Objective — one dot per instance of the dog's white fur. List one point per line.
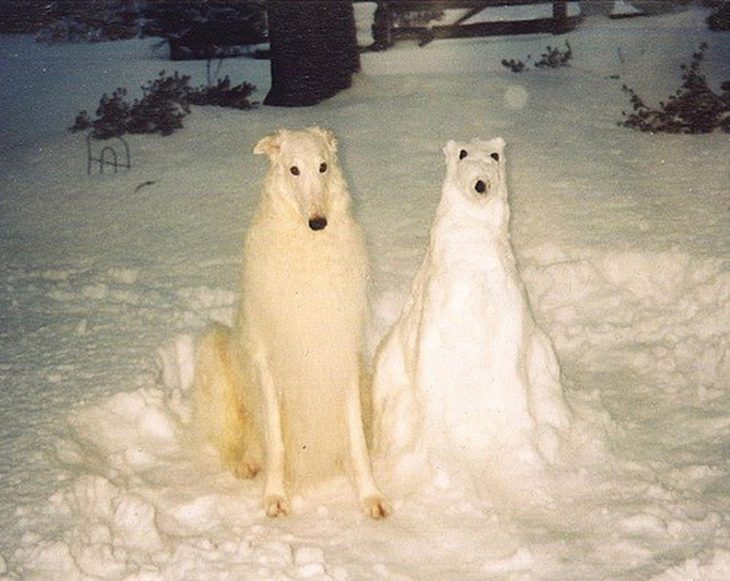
(281, 390)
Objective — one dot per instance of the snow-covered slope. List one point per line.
(621, 239)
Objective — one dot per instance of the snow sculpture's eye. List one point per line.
(480, 187)
(463, 153)
(294, 170)
(322, 167)
(495, 156)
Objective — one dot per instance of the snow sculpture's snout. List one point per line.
(482, 186)
(476, 181)
(303, 171)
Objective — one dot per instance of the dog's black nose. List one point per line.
(318, 223)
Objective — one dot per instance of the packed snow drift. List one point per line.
(620, 239)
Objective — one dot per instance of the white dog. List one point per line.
(281, 390)
(465, 371)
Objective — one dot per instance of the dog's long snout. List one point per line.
(318, 223)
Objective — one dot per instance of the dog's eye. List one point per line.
(294, 170)
(463, 153)
(322, 167)
(480, 187)
(495, 156)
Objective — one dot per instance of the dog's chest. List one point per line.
(321, 272)
(311, 282)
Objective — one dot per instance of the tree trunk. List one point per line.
(313, 50)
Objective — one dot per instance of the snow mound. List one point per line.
(176, 362)
(141, 499)
(622, 9)
(137, 498)
(603, 306)
(694, 570)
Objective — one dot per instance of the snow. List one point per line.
(623, 9)
(620, 238)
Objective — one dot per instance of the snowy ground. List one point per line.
(623, 243)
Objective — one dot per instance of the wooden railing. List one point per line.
(387, 30)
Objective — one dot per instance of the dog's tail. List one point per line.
(220, 415)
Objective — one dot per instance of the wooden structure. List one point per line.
(387, 30)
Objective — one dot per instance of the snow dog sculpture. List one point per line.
(281, 389)
(465, 372)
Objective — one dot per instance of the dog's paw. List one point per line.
(276, 505)
(377, 507)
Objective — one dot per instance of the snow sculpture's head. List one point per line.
(304, 175)
(475, 180)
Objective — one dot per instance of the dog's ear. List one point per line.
(269, 145)
(328, 136)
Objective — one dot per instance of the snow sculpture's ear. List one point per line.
(496, 146)
(269, 145)
(328, 136)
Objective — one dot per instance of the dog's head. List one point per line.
(304, 173)
(475, 179)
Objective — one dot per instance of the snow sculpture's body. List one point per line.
(465, 372)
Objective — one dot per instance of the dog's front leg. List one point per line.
(276, 502)
(371, 499)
